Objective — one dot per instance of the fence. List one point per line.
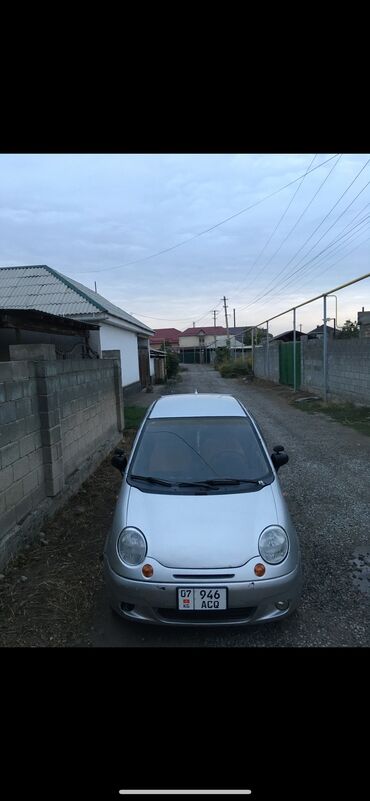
(324, 353)
(348, 367)
(58, 420)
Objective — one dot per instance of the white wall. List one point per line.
(113, 338)
(193, 342)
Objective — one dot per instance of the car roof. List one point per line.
(194, 405)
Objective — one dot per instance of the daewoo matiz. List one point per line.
(201, 532)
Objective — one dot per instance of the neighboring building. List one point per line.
(237, 331)
(42, 288)
(157, 365)
(363, 320)
(318, 332)
(71, 338)
(193, 343)
(236, 345)
(287, 336)
(166, 336)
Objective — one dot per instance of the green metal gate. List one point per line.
(193, 356)
(286, 374)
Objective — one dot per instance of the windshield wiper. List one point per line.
(152, 480)
(200, 484)
(220, 482)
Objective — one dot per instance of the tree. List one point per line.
(349, 329)
(259, 335)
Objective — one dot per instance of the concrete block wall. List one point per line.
(58, 420)
(87, 409)
(312, 376)
(348, 368)
(266, 365)
(22, 486)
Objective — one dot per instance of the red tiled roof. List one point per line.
(165, 334)
(208, 330)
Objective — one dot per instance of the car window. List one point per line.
(199, 449)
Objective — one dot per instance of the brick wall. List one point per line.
(58, 420)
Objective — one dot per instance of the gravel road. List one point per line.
(327, 485)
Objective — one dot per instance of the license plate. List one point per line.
(202, 598)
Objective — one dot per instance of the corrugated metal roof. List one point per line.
(40, 287)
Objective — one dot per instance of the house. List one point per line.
(237, 331)
(363, 320)
(166, 336)
(194, 341)
(236, 345)
(318, 332)
(43, 288)
(287, 336)
(157, 365)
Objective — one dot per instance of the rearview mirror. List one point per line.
(278, 458)
(119, 460)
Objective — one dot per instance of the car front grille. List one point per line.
(204, 576)
(211, 616)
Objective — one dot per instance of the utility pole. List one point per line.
(234, 335)
(227, 323)
(215, 312)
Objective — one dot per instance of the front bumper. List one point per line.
(249, 602)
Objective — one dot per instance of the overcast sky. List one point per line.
(89, 216)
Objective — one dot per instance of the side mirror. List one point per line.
(279, 458)
(119, 460)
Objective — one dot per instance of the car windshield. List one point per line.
(199, 449)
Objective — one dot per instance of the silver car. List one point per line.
(201, 533)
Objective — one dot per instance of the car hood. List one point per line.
(202, 531)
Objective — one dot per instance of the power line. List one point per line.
(276, 226)
(274, 285)
(332, 209)
(297, 221)
(288, 279)
(212, 227)
(181, 319)
(362, 223)
(343, 256)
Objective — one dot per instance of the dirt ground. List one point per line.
(47, 592)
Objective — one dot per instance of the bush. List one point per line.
(172, 364)
(222, 356)
(236, 368)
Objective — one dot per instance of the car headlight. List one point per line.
(273, 545)
(131, 546)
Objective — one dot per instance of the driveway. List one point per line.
(327, 484)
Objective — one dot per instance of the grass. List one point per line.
(134, 416)
(357, 417)
(233, 368)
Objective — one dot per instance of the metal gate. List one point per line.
(286, 364)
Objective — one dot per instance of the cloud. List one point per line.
(89, 215)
